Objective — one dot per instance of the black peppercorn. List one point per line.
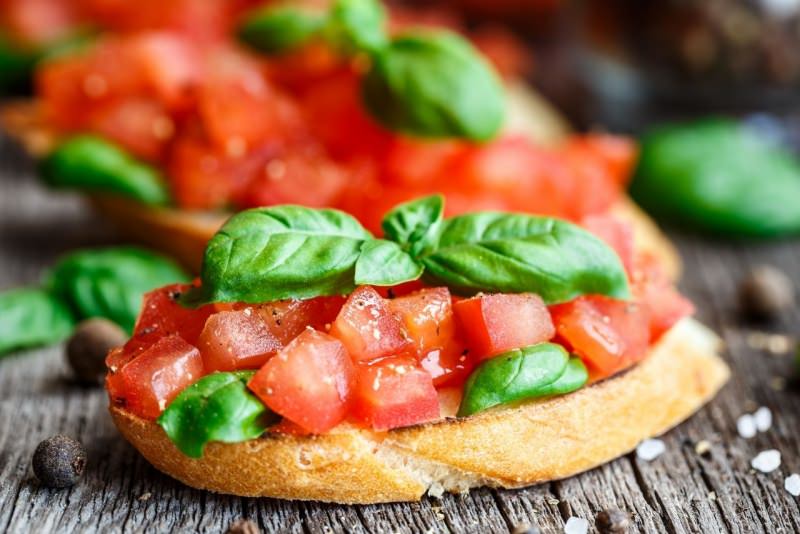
(766, 292)
(526, 529)
(612, 521)
(59, 461)
(243, 526)
(88, 346)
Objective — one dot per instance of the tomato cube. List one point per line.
(494, 324)
(235, 340)
(308, 382)
(657, 293)
(428, 318)
(609, 335)
(449, 366)
(393, 393)
(287, 319)
(368, 328)
(616, 233)
(158, 374)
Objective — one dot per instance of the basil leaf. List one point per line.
(356, 26)
(515, 253)
(720, 177)
(415, 224)
(516, 375)
(94, 164)
(434, 85)
(110, 282)
(32, 317)
(384, 263)
(279, 252)
(218, 407)
(279, 29)
(16, 65)
(575, 376)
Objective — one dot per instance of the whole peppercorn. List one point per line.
(59, 461)
(766, 292)
(88, 346)
(244, 526)
(612, 521)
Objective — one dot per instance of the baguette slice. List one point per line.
(505, 447)
(183, 234)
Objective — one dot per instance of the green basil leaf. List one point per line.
(515, 253)
(721, 177)
(415, 224)
(279, 29)
(16, 65)
(356, 26)
(434, 85)
(384, 263)
(110, 282)
(32, 317)
(94, 164)
(279, 252)
(218, 407)
(513, 376)
(575, 376)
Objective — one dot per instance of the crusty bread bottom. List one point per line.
(507, 447)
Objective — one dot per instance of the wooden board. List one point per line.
(122, 493)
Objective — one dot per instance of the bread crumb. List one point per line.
(145, 496)
(702, 447)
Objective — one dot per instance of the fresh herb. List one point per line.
(218, 407)
(520, 374)
(385, 263)
(94, 164)
(110, 282)
(414, 225)
(32, 317)
(422, 83)
(719, 176)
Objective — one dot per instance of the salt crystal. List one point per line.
(763, 419)
(792, 484)
(650, 449)
(576, 525)
(767, 461)
(746, 426)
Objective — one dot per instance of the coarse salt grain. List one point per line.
(792, 484)
(650, 449)
(767, 461)
(746, 426)
(763, 419)
(576, 525)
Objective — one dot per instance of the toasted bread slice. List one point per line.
(505, 447)
(183, 234)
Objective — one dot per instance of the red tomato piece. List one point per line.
(368, 328)
(235, 340)
(428, 318)
(38, 21)
(413, 162)
(158, 374)
(309, 382)
(140, 125)
(171, 64)
(450, 366)
(287, 319)
(616, 233)
(394, 393)
(609, 335)
(617, 154)
(657, 293)
(497, 323)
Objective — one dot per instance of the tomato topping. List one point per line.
(428, 318)
(368, 328)
(287, 319)
(609, 335)
(616, 233)
(235, 340)
(140, 125)
(449, 366)
(394, 392)
(497, 323)
(158, 374)
(657, 293)
(308, 382)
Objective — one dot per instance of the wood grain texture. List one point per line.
(122, 493)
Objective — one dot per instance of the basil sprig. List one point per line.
(218, 407)
(280, 252)
(91, 163)
(531, 372)
(422, 83)
(31, 317)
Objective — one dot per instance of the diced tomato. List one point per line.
(427, 316)
(609, 335)
(616, 233)
(287, 319)
(657, 293)
(158, 374)
(504, 50)
(393, 393)
(142, 126)
(290, 429)
(414, 162)
(616, 153)
(38, 22)
(309, 382)
(368, 328)
(236, 340)
(400, 290)
(449, 366)
(497, 323)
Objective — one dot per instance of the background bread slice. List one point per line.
(506, 447)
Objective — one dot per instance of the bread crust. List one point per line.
(506, 447)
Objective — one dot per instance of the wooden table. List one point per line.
(681, 491)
